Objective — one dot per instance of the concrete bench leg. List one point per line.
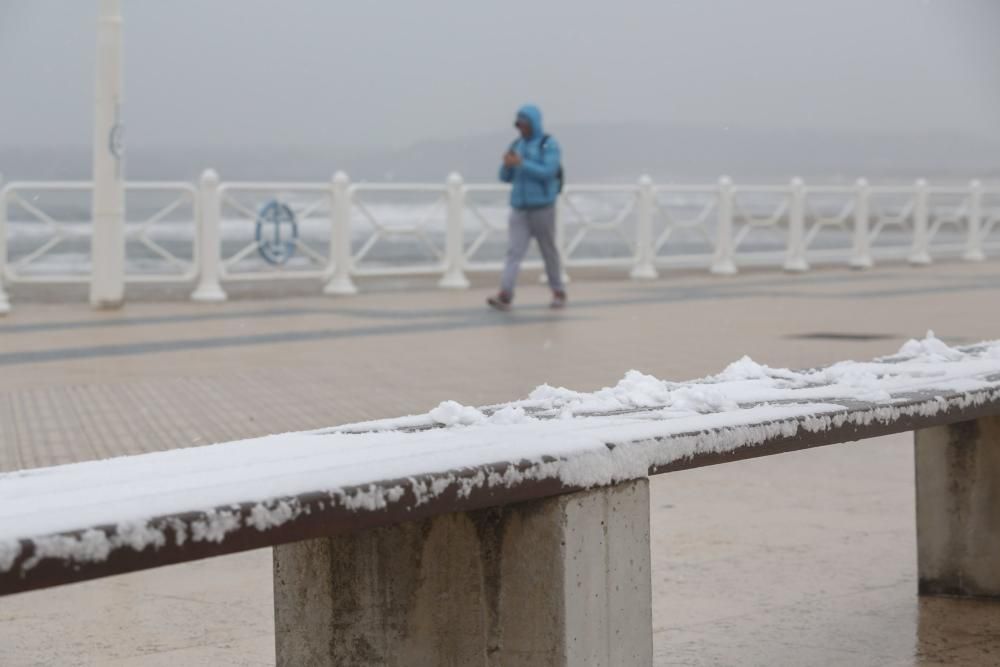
(958, 508)
(561, 581)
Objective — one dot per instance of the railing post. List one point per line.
(723, 263)
(454, 277)
(209, 239)
(340, 237)
(4, 300)
(645, 268)
(974, 241)
(861, 254)
(543, 279)
(795, 259)
(560, 240)
(919, 253)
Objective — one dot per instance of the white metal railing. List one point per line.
(761, 211)
(50, 238)
(41, 231)
(296, 253)
(598, 218)
(264, 231)
(411, 234)
(484, 221)
(670, 215)
(987, 220)
(339, 231)
(154, 230)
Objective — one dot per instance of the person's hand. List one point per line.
(511, 159)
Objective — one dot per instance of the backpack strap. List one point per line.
(560, 176)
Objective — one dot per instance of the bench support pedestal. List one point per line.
(560, 581)
(958, 508)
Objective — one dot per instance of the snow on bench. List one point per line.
(75, 522)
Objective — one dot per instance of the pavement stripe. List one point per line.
(152, 347)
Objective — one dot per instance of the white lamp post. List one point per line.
(107, 282)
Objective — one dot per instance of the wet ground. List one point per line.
(800, 559)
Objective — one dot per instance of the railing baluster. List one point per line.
(795, 260)
(454, 276)
(723, 263)
(340, 237)
(561, 202)
(861, 253)
(210, 250)
(4, 300)
(919, 254)
(645, 268)
(974, 241)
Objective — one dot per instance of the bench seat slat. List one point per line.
(81, 521)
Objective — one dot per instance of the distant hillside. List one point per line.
(592, 153)
(623, 152)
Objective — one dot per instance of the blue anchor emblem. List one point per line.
(276, 245)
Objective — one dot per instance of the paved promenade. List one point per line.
(802, 559)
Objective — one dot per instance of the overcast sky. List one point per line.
(359, 74)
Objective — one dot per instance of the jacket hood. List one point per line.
(534, 116)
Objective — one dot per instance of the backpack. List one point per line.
(559, 174)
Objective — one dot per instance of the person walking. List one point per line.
(533, 166)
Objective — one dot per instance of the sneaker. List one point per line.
(558, 300)
(501, 301)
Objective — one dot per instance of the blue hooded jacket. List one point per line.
(535, 182)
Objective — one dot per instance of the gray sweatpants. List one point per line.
(524, 224)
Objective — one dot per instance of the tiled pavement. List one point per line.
(800, 559)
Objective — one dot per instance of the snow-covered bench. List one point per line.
(515, 534)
